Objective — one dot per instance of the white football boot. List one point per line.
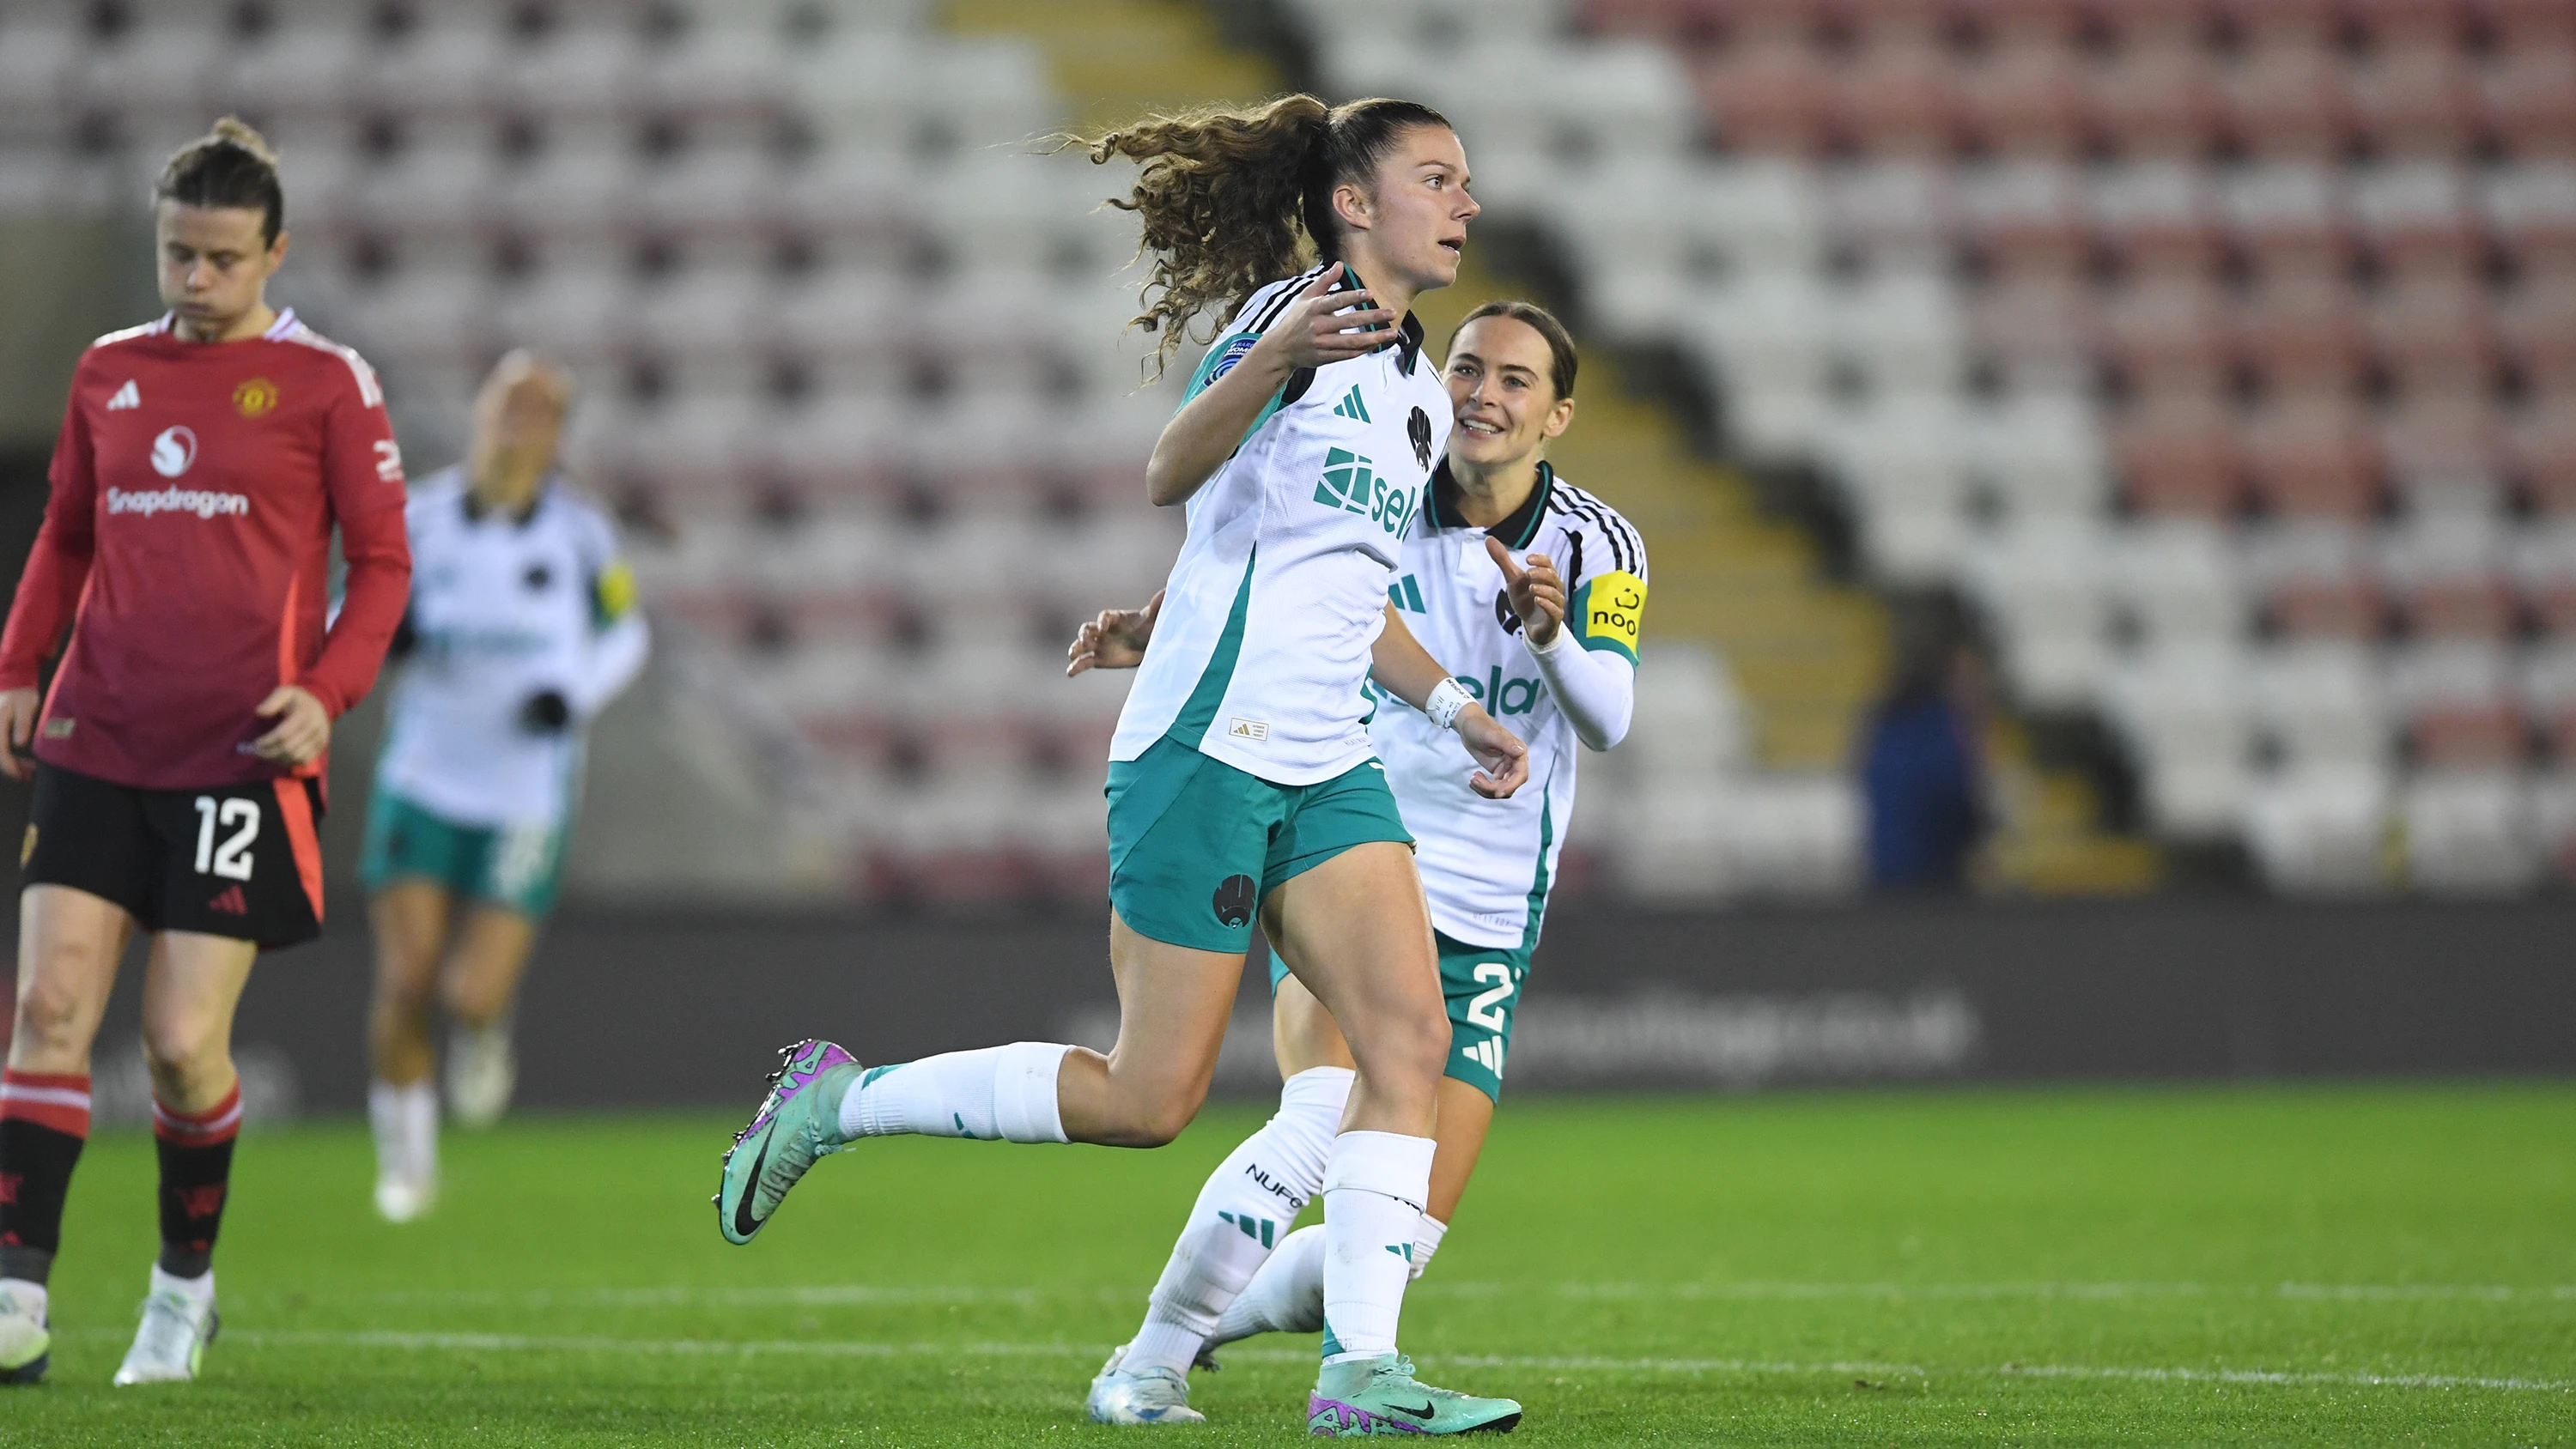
(403, 1198)
(171, 1342)
(482, 1072)
(26, 1347)
(1156, 1396)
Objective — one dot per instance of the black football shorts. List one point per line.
(243, 861)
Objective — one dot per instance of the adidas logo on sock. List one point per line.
(126, 397)
(230, 901)
(1351, 407)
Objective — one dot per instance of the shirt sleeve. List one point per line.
(58, 567)
(619, 638)
(362, 469)
(1596, 685)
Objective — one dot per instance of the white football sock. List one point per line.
(1374, 1189)
(405, 1120)
(1286, 1296)
(998, 1093)
(1240, 1216)
(1426, 1241)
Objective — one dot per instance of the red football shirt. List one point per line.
(187, 542)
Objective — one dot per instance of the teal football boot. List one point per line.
(798, 1124)
(1368, 1396)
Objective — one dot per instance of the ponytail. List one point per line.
(1232, 200)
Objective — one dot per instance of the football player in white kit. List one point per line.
(1242, 778)
(1484, 583)
(522, 627)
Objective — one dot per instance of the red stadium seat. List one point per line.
(2462, 704)
(2026, 100)
(2175, 326)
(2417, 100)
(2442, 445)
(2314, 457)
(2434, 333)
(1897, 99)
(2178, 455)
(2302, 332)
(2159, 101)
(2288, 101)
(2530, 99)
(1769, 97)
(2538, 322)
(2007, 23)
(2519, 23)
(2302, 23)
(2543, 452)
(2391, 25)
(2160, 24)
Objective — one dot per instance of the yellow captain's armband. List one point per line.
(1610, 612)
(612, 597)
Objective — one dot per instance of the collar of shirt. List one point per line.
(1516, 529)
(1408, 333)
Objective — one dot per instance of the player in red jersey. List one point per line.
(179, 754)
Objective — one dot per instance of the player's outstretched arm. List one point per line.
(1210, 426)
(1406, 670)
(1114, 640)
(1596, 690)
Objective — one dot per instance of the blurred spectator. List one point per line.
(1921, 768)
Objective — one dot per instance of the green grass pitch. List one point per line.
(2281, 1266)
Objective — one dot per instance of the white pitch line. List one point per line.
(2268, 1376)
(860, 1348)
(867, 1294)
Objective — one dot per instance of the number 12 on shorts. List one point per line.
(230, 858)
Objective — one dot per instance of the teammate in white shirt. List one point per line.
(522, 627)
(1241, 780)
(1483, 582)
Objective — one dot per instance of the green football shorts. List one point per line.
(517, 867)
(1195, 845)
(1483, 987)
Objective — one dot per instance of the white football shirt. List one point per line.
(1487, 864)
(1261, 652)
(503, 607)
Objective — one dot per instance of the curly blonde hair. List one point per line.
(1233, 199)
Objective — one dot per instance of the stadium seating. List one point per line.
(2240, 422)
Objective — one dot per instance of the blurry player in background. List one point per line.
(522, 627)
(1535, 591)
(179, 758)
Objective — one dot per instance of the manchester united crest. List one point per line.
(254, 397)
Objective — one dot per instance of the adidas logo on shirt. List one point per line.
(127, 396)
(1351, 407)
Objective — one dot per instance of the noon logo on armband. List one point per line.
(1612, 607)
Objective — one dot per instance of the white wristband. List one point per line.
(1448, 700)
(1555, 641)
